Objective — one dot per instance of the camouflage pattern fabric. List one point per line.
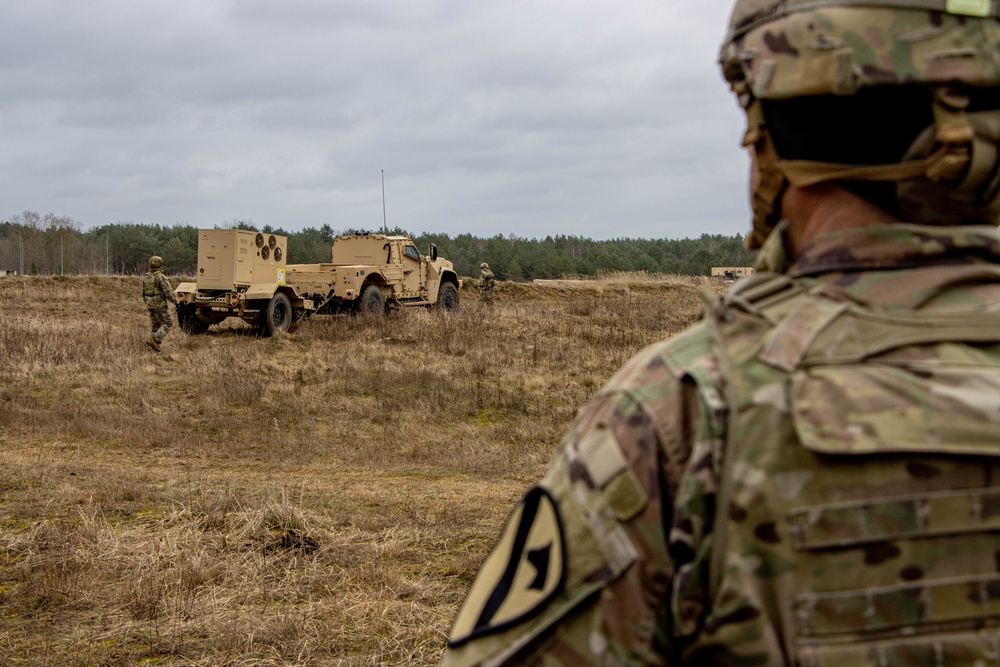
(781, 49)
(156, 290)
(842, 412)
(160, 323)
(487, 286)
(789, 49)
(156, 293)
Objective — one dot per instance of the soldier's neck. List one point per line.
(826, 208)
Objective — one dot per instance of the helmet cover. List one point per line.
(777, 50)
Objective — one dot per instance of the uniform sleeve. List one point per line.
(583, 571)
(165, 288)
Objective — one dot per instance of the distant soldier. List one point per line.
(156, 292)
(487, 284)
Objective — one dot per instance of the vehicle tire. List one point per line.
(372, 301)
(187, 320)
(448, 297)
(277, 315)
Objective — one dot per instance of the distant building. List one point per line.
(8, 272)
(731, 272)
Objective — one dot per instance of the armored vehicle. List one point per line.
(374, 272)
(244, 274)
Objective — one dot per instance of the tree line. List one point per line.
(49, 244)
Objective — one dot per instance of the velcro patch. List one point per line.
(602, 456)
(969, 7)
(523, 573)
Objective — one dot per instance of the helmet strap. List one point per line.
(803, 173)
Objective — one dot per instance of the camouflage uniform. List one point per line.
(487, 285)
(156, 293)
(809, 475)
(834, 397)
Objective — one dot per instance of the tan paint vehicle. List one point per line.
(372, 272)
(244, 274)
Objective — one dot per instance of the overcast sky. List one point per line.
(597, 118)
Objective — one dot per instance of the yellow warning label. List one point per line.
(281, 276)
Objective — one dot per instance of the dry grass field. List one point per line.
(320, 498)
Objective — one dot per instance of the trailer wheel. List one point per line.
(187, 319)
(372, 301)
(277, 315)
(448, 298)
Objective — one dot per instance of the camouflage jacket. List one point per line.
(843, 413)
(156, 290)
(487, 282)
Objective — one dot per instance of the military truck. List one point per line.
(244, 274)
(374, 272)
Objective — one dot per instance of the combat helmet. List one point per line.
(937, 61)
(484, 265)
(155, 262)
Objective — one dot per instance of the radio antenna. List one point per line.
(385, 226)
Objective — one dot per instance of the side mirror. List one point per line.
(433, 252)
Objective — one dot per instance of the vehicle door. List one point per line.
(413, 270)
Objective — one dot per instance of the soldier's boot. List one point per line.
(153, 344)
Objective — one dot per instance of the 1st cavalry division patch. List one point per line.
(521, 575)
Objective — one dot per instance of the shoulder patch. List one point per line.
(523, 573)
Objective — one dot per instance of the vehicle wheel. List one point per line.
(448, 298)
(372, 301)
(187, 319)
(277, 315)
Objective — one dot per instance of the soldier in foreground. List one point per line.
(809, 476)
(156, 292)
(487, 284)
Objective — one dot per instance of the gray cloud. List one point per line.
(547, 117)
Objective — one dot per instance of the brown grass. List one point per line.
(322, 498)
